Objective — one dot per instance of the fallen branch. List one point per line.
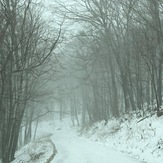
(142, 119)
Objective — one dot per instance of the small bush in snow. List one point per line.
(160, 144)
(36, 156)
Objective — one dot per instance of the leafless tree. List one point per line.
(25, 48)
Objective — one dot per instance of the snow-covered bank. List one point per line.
(143, 140)
(38, 151)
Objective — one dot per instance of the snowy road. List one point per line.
(73, 149)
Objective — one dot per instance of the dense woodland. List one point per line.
(26, 49)
(103, 59)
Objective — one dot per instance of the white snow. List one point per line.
(127, 142)
(143, 140)
(38, 151)
(73, 149)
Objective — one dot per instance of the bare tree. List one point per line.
(25, 48)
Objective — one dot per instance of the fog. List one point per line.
(91, 61)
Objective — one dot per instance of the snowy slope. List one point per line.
(38, 151)
(143, 140)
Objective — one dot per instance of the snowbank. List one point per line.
(142, 140)
(38, 151)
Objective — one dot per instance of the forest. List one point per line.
(93, 60)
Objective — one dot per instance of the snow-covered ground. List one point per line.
(73, 149)
(127, 142)
(142, 140)
(38, 151)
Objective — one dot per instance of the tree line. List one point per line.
(26, 49)
(116, 56)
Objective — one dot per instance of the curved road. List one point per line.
(73, 149)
